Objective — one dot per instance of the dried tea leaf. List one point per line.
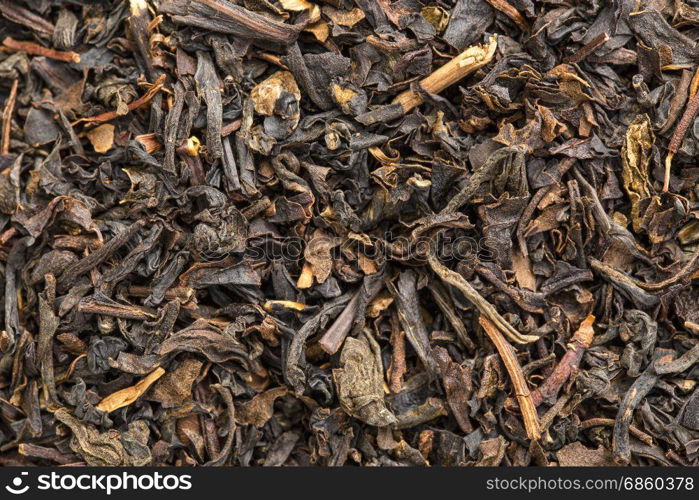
(175, 387)
(209, 89)
(458, 385)
(135, 441)
(296, 5)
(492, 451)
(10, 185)
(96, 448)
(342, 96)
(436, 16)
(40, 128)
(266, 93)
(128, 395)
(636, 157)
(320, 30)
(318, 256)
(578, 455)
(210, 343)
(468, 21)
(102, 137)
(407, 305)
(691, 413)
(379, 304)
(359, 382)
(260, 408)
(343, 17)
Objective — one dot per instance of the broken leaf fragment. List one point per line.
(278, 98)
(175, 387)
(296, 5)
(689, 233)
(260, 408)
(266, 93)
(319, 259)
(285, 305)
(306, 277)
(320, 30)
(436, 16)
(342, 95)
(346, 18)
(379, 304)
(150, 142)
(102, 137)
(351, 100)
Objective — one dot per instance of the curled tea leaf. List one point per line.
(96, 448)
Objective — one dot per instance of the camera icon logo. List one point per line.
(16, 488)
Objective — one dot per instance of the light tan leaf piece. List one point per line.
(128, 395)
(102, 137)
(635, 155)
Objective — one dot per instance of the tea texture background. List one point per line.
(349, 232)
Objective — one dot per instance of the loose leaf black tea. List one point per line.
(349, 232)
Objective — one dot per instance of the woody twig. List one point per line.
(11, 45)
(110, 115)
(687, 119)
(467, 62)
(570, 361)
(524, 397)
(7, 119)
